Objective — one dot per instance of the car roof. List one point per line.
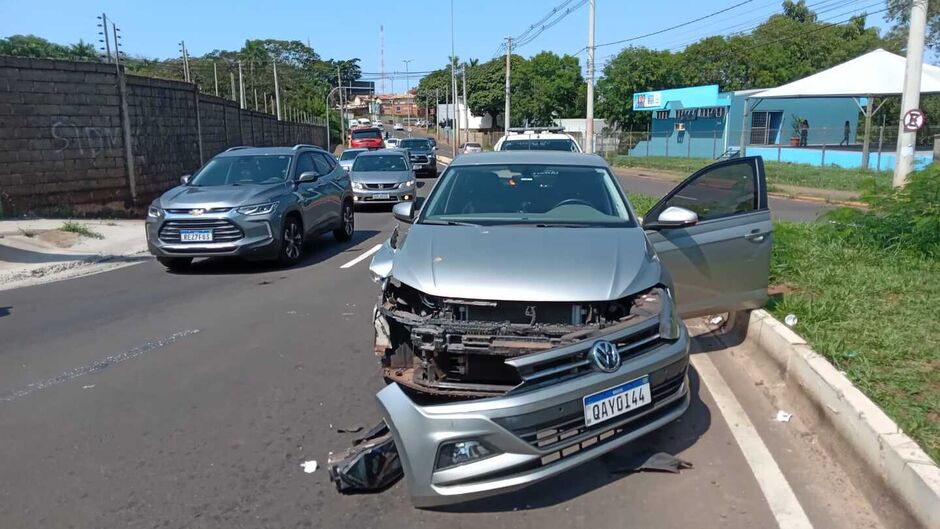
(529, 157)
(378, 152)
(255, 151)
(355, 149)
(538, 135)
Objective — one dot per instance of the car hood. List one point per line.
(526, 263)
(220, 196)
(380, 177)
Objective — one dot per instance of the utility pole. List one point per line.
(453, 78)
(125, 117)
(241, 86)
(466, 111)
(407, 91)
(382, 58)
(186, 74)
(277, 91)
(506, 120)
(910, 98)
(589, 114)
(215, 77)
(104, 32)
(231, 75)
(437, 115)
(342, 107)
(427, 112)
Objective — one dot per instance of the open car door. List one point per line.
(713, 234)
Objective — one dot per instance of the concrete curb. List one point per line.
(888, 452)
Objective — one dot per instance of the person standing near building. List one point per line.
(846, 130)
(804, 132)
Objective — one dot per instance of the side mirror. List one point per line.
(673, 217)
(404, 211)
(434, 148)
(185, 179)
(308, 176)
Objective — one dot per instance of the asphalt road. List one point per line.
(139, 398)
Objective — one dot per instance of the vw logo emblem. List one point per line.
(196, 212)
(606, 356)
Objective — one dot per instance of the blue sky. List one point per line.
(414, 29)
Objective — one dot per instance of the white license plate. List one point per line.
(195, 235)
(419, 166)
(611, 402)
(381, 196)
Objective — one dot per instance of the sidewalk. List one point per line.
(38, 250)
(829, 196)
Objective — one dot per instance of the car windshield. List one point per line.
(366, 134)
(415, 144)
(539, 145)
(533, 194)
(380, 163)
(350, 155)
(243, 170)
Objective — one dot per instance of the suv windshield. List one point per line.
(350, 155)
(537, 194)
(243, 170)
(363, 134)
(539, 145)
(380, 163)
(418, 144)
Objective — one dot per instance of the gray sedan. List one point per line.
(348, 156)
(383, 176)
(530, 322)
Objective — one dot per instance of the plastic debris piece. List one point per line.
(790, 320)
(352, 429)
(89, 386)
(716, 320)
(654, 462)
(309, 466)
(370, 465)
(783, 416)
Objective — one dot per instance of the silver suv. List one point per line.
(252, 202)
(530, 321)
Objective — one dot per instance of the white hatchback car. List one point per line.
(537, 139)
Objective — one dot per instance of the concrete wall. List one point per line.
(62, 139)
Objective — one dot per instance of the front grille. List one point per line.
(381, 186)
(187, 211)
(222, 229)
(563, 426)
(419, 158)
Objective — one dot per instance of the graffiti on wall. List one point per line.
(89, 141)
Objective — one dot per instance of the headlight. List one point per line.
(405, 185)
(669, 318)
(357, 185)
(154, 211)
(258, 209)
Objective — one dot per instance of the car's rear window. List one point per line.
(414, 144)
(366, 134)
(243, 170)
(539, 145)
(390, 162)
(350, 155)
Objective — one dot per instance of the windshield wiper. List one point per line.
(450, 223)
(561, 225)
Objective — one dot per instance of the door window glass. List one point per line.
(305, 163)
(724, 190)
(323, 165)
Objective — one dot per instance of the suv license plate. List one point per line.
(195, 235)
(611, 402)
(381, 196)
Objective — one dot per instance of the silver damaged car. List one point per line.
(529, 321)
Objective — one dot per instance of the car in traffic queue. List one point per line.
(530, 322)
(383, 176)
(347, 157)
(423, 155)
(366, 138)
(260, 203)
(537, 139)
(466, 148)
(398, 126)
(391, 143)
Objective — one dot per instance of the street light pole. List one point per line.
(910, 98)
(453, 79)
(466, 110)
(326, 107)
(506, 120)
(407, 89)
(589, 114)
(277, 92)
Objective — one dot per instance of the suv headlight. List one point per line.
(669, 318)
(357, 185)
(257, 209)
(406, 185)
(154, 212)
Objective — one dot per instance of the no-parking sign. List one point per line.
(913, 120)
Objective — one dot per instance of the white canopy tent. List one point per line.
(877, 74)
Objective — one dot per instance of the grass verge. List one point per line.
(80, 229)
(780, 173)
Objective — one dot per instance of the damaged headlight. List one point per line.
(669, 317)
(460, 452)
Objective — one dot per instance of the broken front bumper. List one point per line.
(532, 435)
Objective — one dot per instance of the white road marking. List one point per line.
(362, 257)
(783, 502)
(97, 366)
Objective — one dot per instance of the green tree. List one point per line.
(549, 88)
(38, 47)
(635, 69)
(899, 14)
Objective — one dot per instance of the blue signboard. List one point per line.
(690, 97)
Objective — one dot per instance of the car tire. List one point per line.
(292, 242)
(175, 264)
(347, 223)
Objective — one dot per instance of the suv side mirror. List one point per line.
(673, 217)
(308, 176)
(404, 211)
(185, 179)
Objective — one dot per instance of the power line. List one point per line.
(556, 15)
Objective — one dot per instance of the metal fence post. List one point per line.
(778, 152)
(126, 126)
(202, 159)
(822, 161)
(688, 153)
(714, 143)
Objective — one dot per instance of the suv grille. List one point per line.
(381, 186)
(419, 158)
(222, 230)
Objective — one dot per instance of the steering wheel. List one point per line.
(573, 201)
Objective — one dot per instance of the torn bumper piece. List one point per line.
(467, 450)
